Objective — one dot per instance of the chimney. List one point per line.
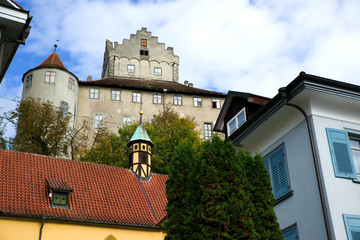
(89, 78)
(186, 83)
(191, 84)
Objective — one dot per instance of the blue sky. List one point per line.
(252, 46)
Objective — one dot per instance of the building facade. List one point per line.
(308, 135)
(140, 73)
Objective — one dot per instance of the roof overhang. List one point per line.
(310, 83)
(14, 29)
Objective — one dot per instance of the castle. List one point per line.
(140, 71)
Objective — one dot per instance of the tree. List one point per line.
(166, 130)
(2, 133)
(261, 196)
(40, 128)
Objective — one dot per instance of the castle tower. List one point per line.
(141, 56)
(140, 151)
(51, 81)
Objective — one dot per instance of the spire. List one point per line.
(53, 61)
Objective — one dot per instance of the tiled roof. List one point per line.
(52, 61)
(149, 85)
(100, 193)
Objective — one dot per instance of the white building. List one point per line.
(309, 137)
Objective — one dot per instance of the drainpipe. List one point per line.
(284, 95)
(42, 225)
(165, 90)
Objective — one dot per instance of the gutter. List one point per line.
(42, 225)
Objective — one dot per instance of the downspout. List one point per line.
(284, 95)
(42, 225)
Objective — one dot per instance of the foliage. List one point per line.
(40, 128)
(2, 133)
(261, 196)
(211, 196)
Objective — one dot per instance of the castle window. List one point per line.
(98, 120)
(136, 97)
(157, 98)
(126, 120)
(71, 84)
(64, 107)
(94, 93)
(130, 68)
(144, 42)
(197, 102)
(215, 103)
(115, 95)
(28, 81)
(144, 53)
(207, 131)
(50, 77)
(177, 100)
(158, 71)
(59, 191)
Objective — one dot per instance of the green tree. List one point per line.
(2, 133)
(261, 196)
(40, 128)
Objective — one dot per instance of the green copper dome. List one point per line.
(140, 134)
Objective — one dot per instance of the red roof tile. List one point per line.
(53, 61)
(100, 193)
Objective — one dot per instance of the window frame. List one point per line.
(137, 96)
(50, 76)
(64, 107)
(176, 100)
(352, 224)
(99, 123)
(273, 166)
(216, 103)
(94, 93)
(197, 102)
(115, 95)
(157, 71)
(71, 84)
(157, 98)
(208, 133)
(28, 81)
(339, 141)
(289, 232)
(130, 68)
(124, 122)
(144, 53)
(237, 124)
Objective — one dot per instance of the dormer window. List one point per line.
(59, 192)
(238, 120)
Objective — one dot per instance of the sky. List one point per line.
(254, 46)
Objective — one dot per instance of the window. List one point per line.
(158, 71)
(60, 198)
(215, 103)
(275, 163)
(144, 53)
(115, 95)
(207, 130)
(352, 226)
(28, 81)
(238, 120)
(197, 102)
(71, 84)
(157, 98)
(126, 120)
(98, 121)
(143, 158)
(94, 93)
(355, 151)
(50, 77)
(64, 107)
(143, 42)
(136, 97)
(341, 153)
(290, 233)
(177, 100)
(130, 68)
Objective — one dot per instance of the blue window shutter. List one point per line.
(341, 153)
(290, 234)
(279, 173)
(352, 226)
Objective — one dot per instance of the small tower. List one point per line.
(140, 156)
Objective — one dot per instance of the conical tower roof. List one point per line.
(52, 61)
(140, 134)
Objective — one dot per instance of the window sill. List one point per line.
(286, 196)
(356, 180)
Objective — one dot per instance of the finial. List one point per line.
(141, 112)
(55, 46)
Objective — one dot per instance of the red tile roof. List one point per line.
(150, 85)
(52, 61)
(100, 193)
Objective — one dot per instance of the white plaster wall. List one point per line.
(53, 92)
